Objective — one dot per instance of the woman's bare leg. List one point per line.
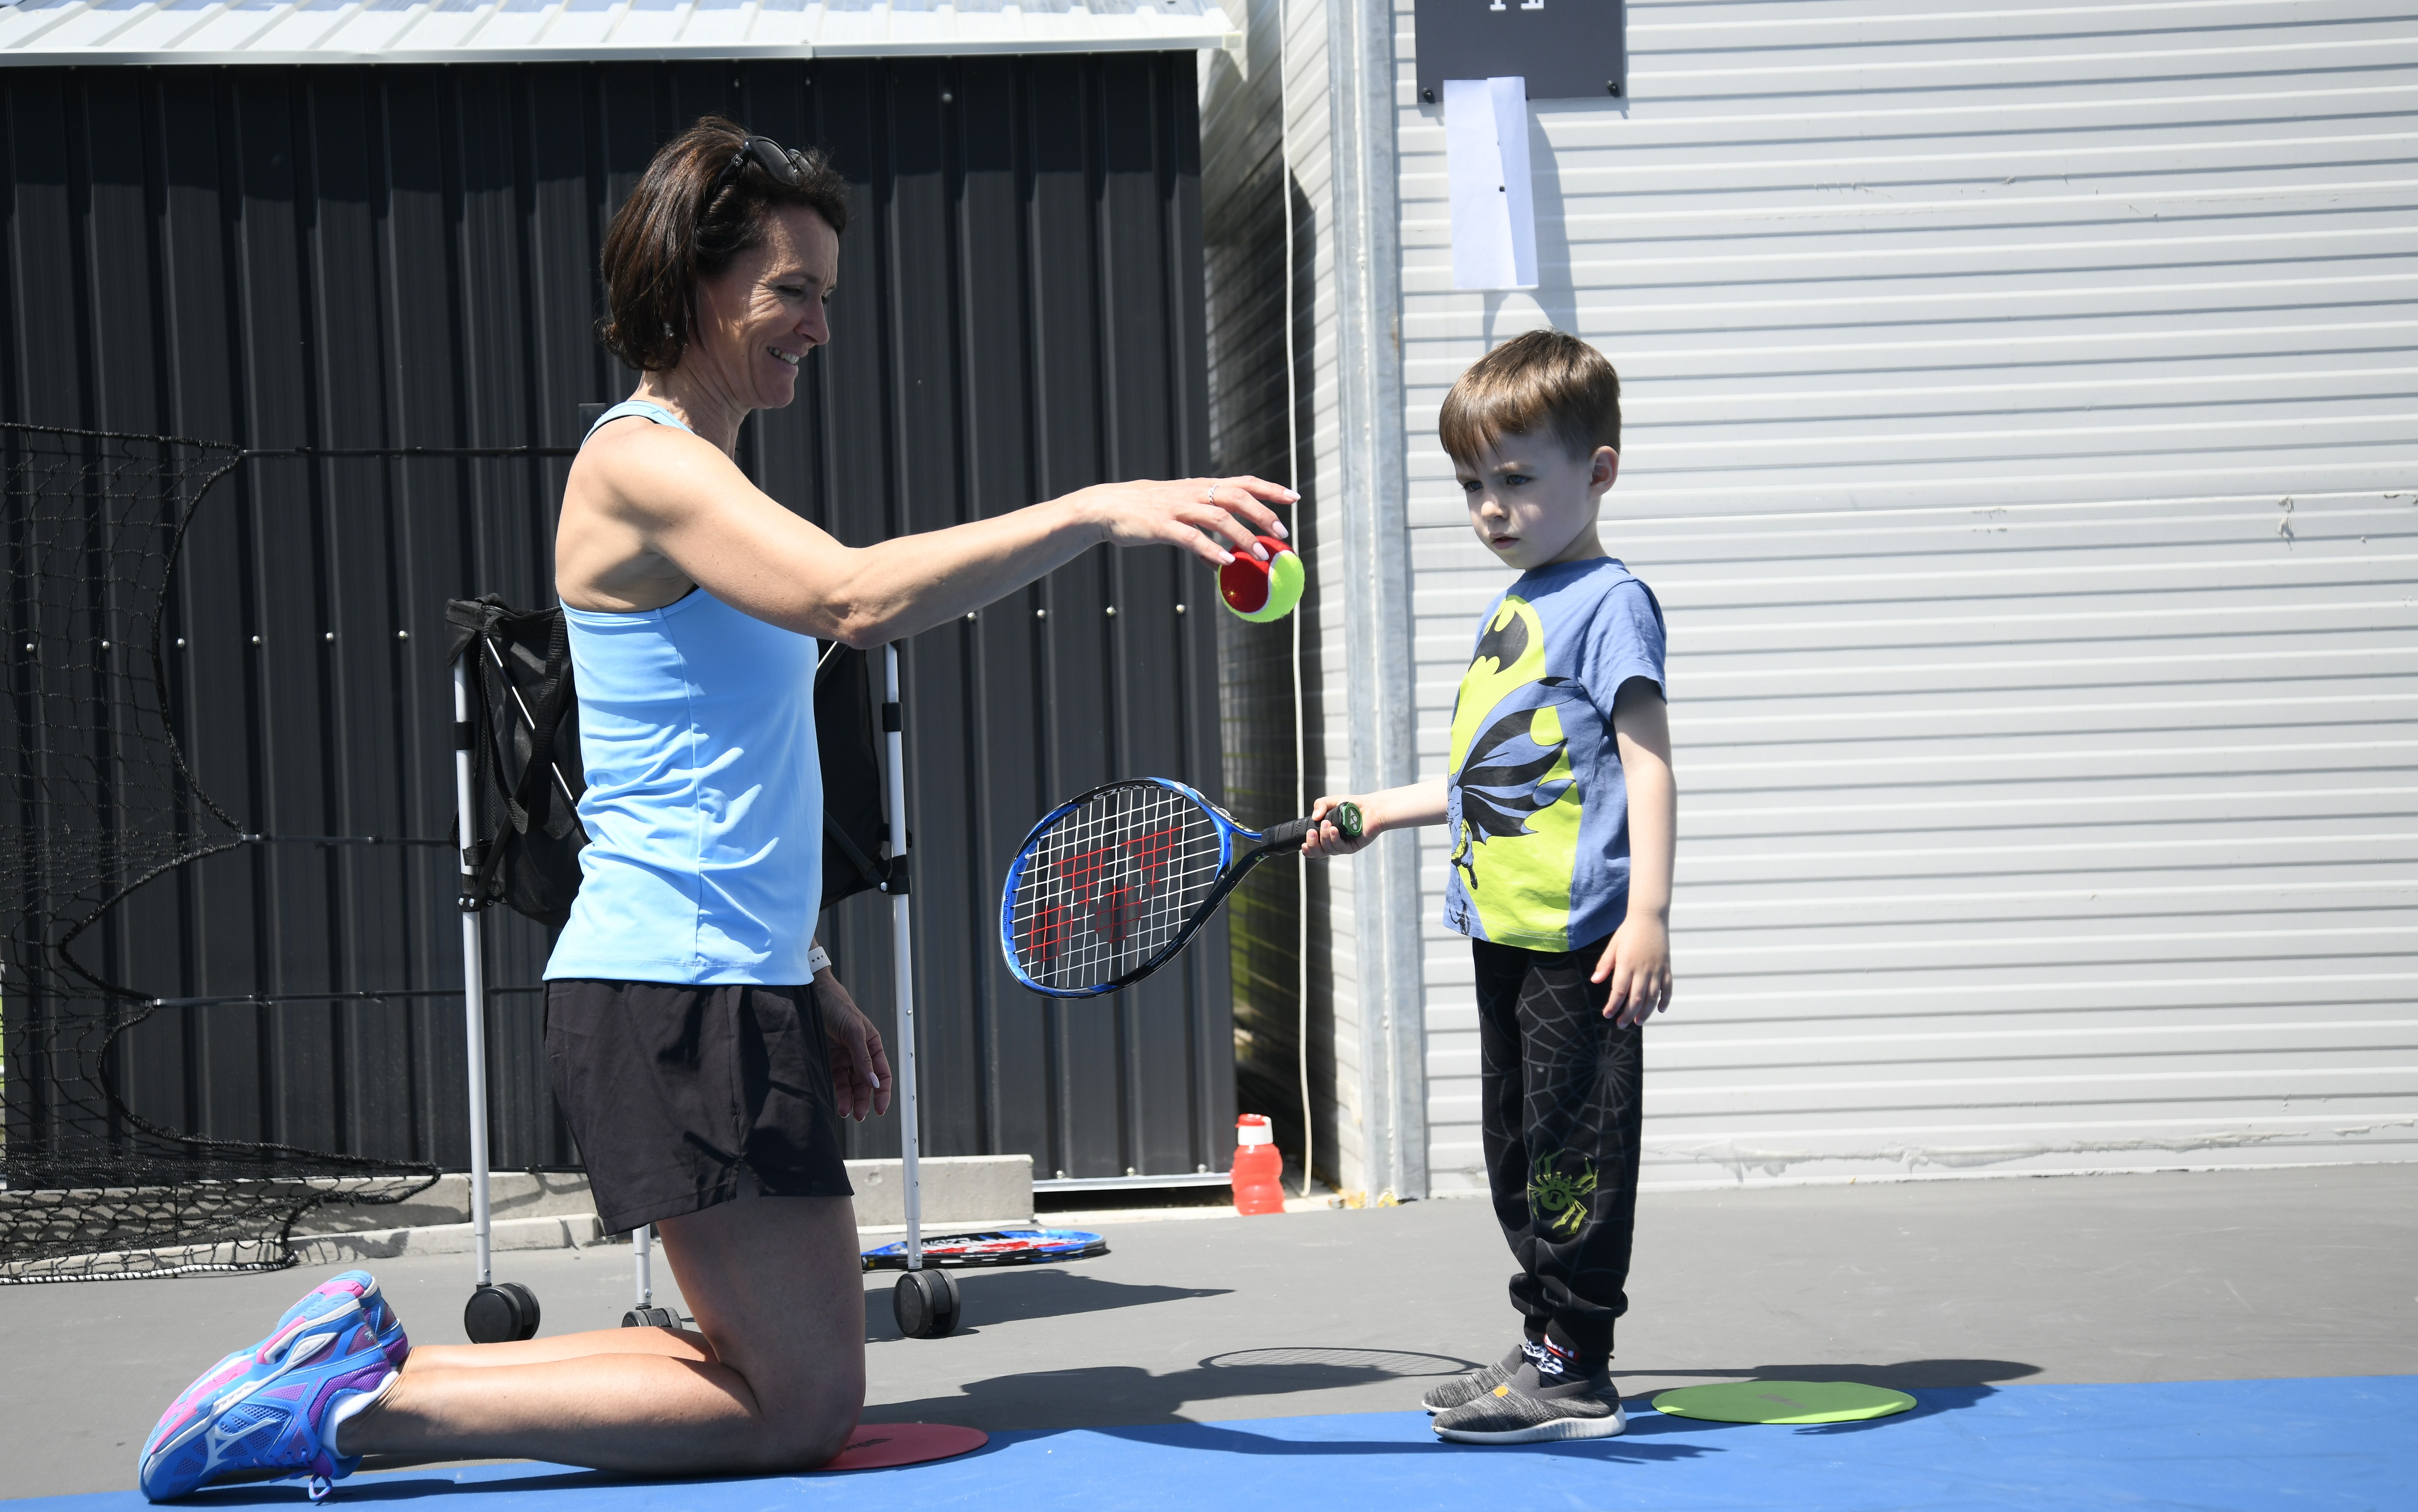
(677, 1343)
(778, 1294)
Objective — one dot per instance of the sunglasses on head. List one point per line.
(786, 166)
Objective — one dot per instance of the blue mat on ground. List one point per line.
(2349, 1443)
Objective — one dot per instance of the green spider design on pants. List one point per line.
(1558, 1198)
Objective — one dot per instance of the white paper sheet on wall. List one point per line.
(1486, 164)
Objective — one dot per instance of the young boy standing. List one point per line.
(1560, 806)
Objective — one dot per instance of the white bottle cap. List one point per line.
(1252, 1128)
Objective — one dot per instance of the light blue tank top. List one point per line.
(704, 807)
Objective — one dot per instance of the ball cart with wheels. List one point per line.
(495, 1314)
(926, 1300)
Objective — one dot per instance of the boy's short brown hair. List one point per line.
(1546, 382)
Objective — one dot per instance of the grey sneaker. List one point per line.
(1471, 1385)
(1523, 1410)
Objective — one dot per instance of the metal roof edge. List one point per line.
(952, 47)
(1164, 42)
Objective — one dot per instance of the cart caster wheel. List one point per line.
(650, 1318)
(926, 1304)
(500, 1314)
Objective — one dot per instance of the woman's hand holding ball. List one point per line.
(1216, 519)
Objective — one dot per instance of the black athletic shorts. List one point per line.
(676, 1093)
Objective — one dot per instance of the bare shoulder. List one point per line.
(649, 510)
(648, 475)
(631, 481)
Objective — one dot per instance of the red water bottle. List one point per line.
(1259, 1170)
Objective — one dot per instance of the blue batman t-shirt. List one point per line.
(1535, 803)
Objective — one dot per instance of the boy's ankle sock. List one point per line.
(1558, 1361)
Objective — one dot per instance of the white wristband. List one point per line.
(817, 961)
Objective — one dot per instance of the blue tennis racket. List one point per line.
(1112, 885)
(995, 1247)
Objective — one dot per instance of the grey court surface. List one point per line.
(2113, 1278)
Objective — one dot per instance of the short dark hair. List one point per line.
(1545, 381)
(662, 242)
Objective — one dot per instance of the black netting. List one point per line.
(99, 801)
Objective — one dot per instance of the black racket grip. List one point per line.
(1288, 835)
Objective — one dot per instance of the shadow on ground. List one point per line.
(1132, 1401)
(1036, 1294)
(1128, 1397)
(1147, 1409)
(1208, 1438)
(282, 1494)
(1197, 1438)
(1931, 1402)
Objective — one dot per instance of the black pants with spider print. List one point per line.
(1560, 1087)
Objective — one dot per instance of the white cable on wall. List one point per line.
(1293, 480)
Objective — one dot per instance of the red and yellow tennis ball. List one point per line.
(1263, 590)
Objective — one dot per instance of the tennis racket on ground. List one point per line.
(994, 1246)
(1110, 886)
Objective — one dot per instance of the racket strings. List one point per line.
(1111, 884)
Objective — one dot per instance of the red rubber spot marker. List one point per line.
(882, 1445)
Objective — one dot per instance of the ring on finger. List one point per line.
(1210, 498)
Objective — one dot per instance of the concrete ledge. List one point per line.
(449, 1239)
(350, 1248)
(540, 1210)
(886, 1231)
(510, 1195)
(958, 1190)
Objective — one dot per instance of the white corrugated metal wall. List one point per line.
(2021, 438)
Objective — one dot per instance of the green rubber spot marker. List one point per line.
(1782, 1402)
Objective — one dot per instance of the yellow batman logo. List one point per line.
(1519, 812)
(1514, 643)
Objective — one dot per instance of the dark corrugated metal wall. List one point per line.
(403, 256)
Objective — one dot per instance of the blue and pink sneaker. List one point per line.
(269, 1407)
(327, 1300)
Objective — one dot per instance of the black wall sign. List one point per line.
(1565, 49)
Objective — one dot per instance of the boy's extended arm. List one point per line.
(1637, 958)
(1396, 808)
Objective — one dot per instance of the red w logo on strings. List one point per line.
(1105, 891)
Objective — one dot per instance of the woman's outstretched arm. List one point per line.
(661, 504)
